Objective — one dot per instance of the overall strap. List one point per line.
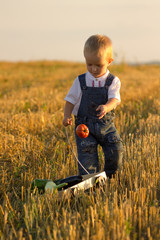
(109, 80)
(82, 81)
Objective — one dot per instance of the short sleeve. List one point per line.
(74, 93)
(114, 89)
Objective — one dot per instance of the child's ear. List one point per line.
(110, 60)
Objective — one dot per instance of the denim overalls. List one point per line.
(101, 131)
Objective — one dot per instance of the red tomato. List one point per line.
(82, 131)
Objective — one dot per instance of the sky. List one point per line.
(57, 29)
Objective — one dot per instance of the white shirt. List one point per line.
(74, 95)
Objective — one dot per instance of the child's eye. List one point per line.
(99, 65)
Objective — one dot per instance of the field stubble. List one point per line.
(33, 145)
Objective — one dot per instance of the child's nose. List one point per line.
(94, 68)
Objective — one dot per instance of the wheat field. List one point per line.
(33, 144)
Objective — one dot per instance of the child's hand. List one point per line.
(67, 121)
(103, 109)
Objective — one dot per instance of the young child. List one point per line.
(92, 100)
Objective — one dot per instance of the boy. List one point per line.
(92, 100)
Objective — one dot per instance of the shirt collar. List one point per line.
(102, 78)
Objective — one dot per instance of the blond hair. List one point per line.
(100, 44)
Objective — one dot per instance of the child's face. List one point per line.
(96, 65)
